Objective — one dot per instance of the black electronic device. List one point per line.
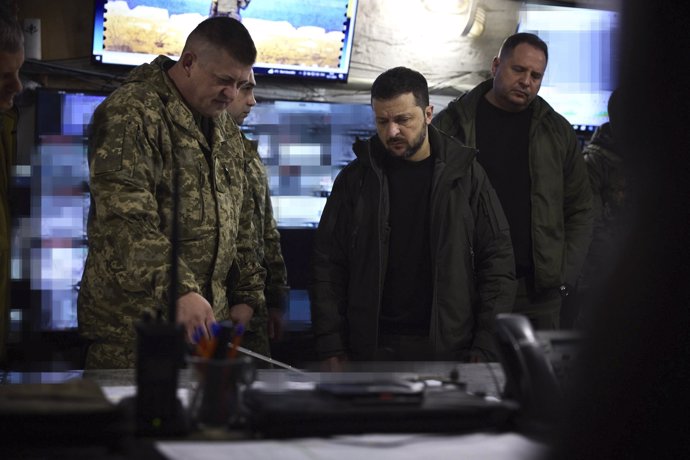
(536, 365)
(160, 354)
(381, 405)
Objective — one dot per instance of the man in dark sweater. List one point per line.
(532, 157)
(412, 257)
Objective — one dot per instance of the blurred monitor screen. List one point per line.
(304, 145)
(583, 59)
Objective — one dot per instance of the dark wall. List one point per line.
(636, 369)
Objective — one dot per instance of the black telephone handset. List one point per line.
(530, 377)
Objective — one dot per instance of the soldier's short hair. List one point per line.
(401, 80)
(228, 34)
(11, 34)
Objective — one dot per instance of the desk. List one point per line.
(479, 378)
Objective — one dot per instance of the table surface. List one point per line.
(479, 378)
(483, 378)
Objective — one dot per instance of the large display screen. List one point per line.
(294, 38)
(583, 59)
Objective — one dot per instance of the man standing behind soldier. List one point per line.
(170, 117)
(266, 322)
(610, 176)
(11, 60)
(532, 158)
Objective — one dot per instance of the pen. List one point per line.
(265, 358)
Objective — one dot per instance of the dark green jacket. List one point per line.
(472, 257)
(139, 132)
(561, 195)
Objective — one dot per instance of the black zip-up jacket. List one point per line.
(560, 194)
(472, 256)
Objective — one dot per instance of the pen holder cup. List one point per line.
(217, 399)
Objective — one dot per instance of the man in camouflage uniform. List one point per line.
(266, 323)
(170, 116)
(610, 176)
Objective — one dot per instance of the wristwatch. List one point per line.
(564, 290)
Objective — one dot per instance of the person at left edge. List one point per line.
(11, 60)
(412, 256)
(170, 116)
(267, 322)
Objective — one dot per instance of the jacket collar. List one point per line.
(446, 150)
(471, 100)
(156, 77)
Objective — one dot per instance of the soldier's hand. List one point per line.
(241, 313)
(195, 313)
(275, 323)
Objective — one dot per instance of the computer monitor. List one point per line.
(583, 59)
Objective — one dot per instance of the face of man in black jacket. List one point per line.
(402, 126)
(517, 77)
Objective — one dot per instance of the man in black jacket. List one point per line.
(412, 257)
(531, 154)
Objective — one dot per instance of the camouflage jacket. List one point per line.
(267, 235)
(139, 134)
(609, 175)
(267, 247)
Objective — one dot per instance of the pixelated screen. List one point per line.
(294, 38)
(304, 145)
(49, 244)
(583, 59)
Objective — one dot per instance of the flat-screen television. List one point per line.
(583, 59)
(294, 38)
(303, 144)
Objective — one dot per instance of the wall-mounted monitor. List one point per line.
(583, 59)
(294, 38)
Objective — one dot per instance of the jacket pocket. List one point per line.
(194, 193)
(491, 208)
